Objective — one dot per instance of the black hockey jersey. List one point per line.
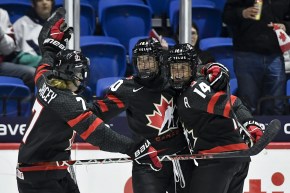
(150, 109)
(57, 116)
(207, 118)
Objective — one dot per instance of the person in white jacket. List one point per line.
(7, 46)
(27, 27)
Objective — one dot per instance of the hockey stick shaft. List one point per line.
(239, 125)
(271, 131)
(269, 134)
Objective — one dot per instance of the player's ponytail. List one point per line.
(59, 84)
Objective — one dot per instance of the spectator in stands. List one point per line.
(258, 60)
(27, 29)
(7, 46)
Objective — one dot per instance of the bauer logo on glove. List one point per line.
(56, 43)
(144, 154)
(251, 132)
(142, 148)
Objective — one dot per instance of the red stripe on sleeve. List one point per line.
(79, 118)
(40, 70)
(212, 102)
(232, 147)
(91, 128)
(102, 105)
(118, 102)
(228, 106)
(39, 73)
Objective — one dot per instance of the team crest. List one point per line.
(162, 118)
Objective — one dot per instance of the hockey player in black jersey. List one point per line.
(207, 118)
(59, 113)
(150, 105)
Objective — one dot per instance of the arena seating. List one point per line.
(103, 84)
(222, 49)
(14, 97)
(87, 17)
(107, 57)
(204, 13)
(15, 8)
(124, 19)
(159, 7)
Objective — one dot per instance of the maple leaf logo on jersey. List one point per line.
(162, 119)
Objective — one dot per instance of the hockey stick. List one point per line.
(249, 142)
(271, 131)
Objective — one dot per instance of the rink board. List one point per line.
(269, 171)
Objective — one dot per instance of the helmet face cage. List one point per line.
(147, 66)
(146, 55)
(180, 74)
(73, 66)
(182, 63)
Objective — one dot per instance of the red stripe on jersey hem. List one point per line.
(213, 100)
(118, 102)
(232, 147)
(102, 105)
(41, 168)
(91, 128)
(79, 118)
(228, 106)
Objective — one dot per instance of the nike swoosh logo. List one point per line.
(136, 90)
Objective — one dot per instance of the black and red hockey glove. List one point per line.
(145, 154)
(58, 37)
(253, 134)
(217, 75)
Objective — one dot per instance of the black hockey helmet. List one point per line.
(72, 65)
(146, 57)
(182, 62)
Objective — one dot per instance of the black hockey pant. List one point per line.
(146, 180)
(64, 185)
(219, 177)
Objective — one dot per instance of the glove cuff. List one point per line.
(251, 122)
(138, 148)
(209, 65)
